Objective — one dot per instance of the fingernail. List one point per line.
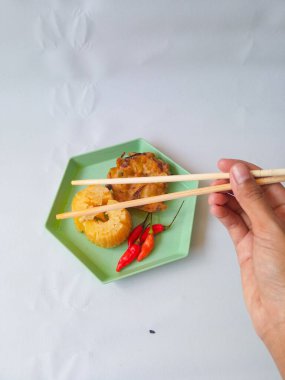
(241, 173)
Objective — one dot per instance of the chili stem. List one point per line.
(146, 218)
(175, 216)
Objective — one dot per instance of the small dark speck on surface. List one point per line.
(151, 331)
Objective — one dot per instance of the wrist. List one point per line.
(274, 339)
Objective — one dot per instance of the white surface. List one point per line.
(198, 79)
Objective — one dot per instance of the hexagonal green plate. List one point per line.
(171, 245)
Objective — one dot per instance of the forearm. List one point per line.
(275, 342)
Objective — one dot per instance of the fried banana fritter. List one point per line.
(140, 165)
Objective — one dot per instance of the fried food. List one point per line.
(140, 165)
(91, 196)
(108, 229)
(112, 232)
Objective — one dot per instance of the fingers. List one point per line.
(220, 199)
(252, 205)
(275, 193)
(232, 221)
(223, 198)
(225, 164)
(231, 214)
(250, 196)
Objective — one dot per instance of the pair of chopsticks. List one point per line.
(263, 177)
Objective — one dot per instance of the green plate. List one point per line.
(170, 246)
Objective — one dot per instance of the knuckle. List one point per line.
(252, 192)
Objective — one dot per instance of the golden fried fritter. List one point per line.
(139, 165)
(106, 229)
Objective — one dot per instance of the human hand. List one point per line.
(255, 220)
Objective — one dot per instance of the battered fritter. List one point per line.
(108, 229)
(140, 165)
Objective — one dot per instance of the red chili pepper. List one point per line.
(158, 228)
(129, 256)
(136, 232)
(147, 246)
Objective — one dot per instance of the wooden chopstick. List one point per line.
(162, 198)
(174, 178)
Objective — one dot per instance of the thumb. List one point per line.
(250, 196)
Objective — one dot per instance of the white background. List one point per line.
(198, 79)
